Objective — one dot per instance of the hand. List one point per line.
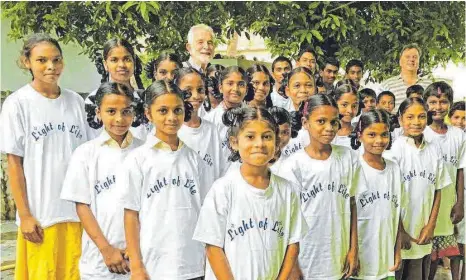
(397, 262)
(406, 240)
(114, 260)
(296, 273)
(457, 213)
(426, 235)
(140, 274)
(351, 266)
(31, 229)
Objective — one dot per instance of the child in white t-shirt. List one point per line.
(199, 134)
(163, 189)
(233, 85)
(90, 182)
(379, 205)
(328, 177)
(452, 141)
(423, 175)
(41, 125)
(299, 85)
(259, 87)
(251, 221)
(347, 100)
(118, 64)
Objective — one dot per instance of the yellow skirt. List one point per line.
(57, 258)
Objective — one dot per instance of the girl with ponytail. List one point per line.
(118, 63)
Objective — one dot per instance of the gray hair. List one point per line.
(199, 26)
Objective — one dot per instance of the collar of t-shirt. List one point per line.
(419, 79)
(156, 143)
(106, 140)
(411, 142)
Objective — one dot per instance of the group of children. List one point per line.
(205, 177)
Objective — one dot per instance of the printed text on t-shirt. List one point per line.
(408, 176)
(47, 129)
(318, 188)
(163, 183)
(248, 224)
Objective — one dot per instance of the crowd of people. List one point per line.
(215, 172)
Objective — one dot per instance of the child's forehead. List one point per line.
(258, 125)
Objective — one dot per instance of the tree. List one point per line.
(371, 31)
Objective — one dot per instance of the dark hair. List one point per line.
(232, 69)
(331, 61)
(250, 92)
(108, 46)
(287, 77)
(366, 92)
(306, 50)
(408, 102)
(152, 66)
(383, 93)
(214, 68)
(368, 118)
(411, 46)
(162, 87)
(282, 116)
(306, 108)
(354, 62)
(107, 88)
(281, 58)
(190, 70)
(237, 118)
(457, 106)
(342, 89)
(30, 43)
(347, 82)
(437, 89)
(414, 89)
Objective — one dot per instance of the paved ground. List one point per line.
(8, 242)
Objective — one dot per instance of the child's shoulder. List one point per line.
(20, 95)
(282, 184)
(342, 152)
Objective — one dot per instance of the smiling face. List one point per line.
(116, 114)
(409, 60)
(458, 119)
(414, 120)
(202, 48)
(261, 84)
(166, 70)
(119, 64)
(322, 124)
(439, 106)
(279, 69)
(167, 114)
(300, 88)
(387, 103)
(45, 62)
(369, 103)
(355, 74)
(307, 60)
(195, 86)
(348, 106)
(233, 88)
(329, 74)
(375, 138)
(256, 143)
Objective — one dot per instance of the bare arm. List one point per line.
(113, 257)
(428, 231)
(132, 229)
(397, 259)
(457, 213)
(289, 262)
(30, 227)
(219, 262)
(351, 266)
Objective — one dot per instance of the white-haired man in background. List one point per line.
(200, 46)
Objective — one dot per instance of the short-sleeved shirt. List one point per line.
(167, 188)
(423, 172)
(277, 99)
(325, 188)
(91, 179)
(253, 226)
(44, 132)
(396, 85)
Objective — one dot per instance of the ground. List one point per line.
(8, 242)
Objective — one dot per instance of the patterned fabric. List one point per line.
(444, 246)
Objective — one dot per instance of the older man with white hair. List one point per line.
(200, 46)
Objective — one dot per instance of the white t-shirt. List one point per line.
(297, 143)
(397, 132)
(289, 106)
(461, 226)
(423, 173)
(44, 132)
(277, 99)
(206, 141)
(91, 178)
(325, 188)
(201, 112)
(378, 215)
(139, 132)
(342, 141)
(167, 189)
(253, 226)
(453, 145)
